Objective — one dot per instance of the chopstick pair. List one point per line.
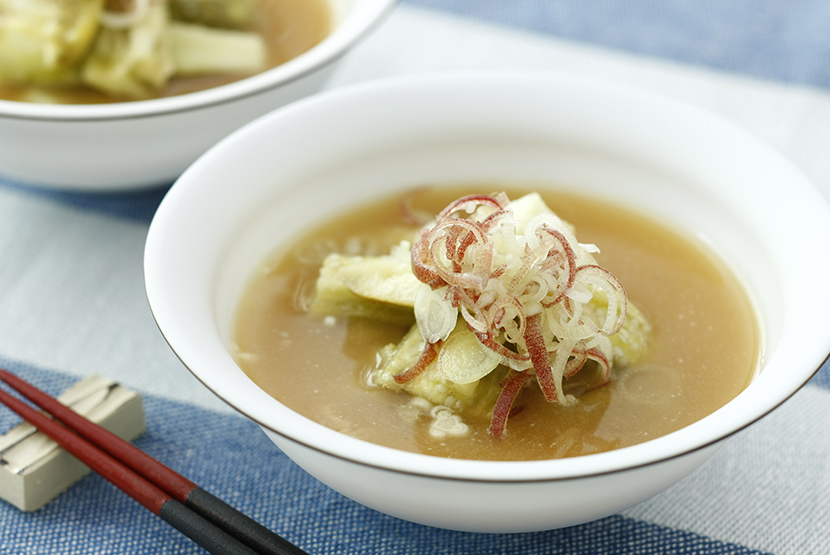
(207, 520)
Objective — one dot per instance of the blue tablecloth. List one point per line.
(72, 299)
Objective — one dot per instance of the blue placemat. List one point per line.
(231, 457)
(783, 41)
(138, 205)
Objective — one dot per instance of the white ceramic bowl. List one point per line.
(132, 145)
(319, 156)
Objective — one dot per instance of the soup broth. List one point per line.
(289, 27)
(704, 346)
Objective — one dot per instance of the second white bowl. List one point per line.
(132, 145)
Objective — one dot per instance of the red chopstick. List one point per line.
(206, 519)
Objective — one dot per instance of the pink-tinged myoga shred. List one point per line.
(521, 286)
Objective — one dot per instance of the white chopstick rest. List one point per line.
(34, 469)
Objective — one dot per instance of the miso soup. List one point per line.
(704, 344)
(87, 60)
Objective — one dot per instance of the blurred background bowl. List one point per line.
(132, 145)
(277, 177)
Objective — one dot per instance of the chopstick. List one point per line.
(204, 518)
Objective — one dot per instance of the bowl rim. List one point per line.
(470, 470)
(344, 36)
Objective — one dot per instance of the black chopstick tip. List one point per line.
(240, 525)
(215, 540)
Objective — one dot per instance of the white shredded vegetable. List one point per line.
(526, 288)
